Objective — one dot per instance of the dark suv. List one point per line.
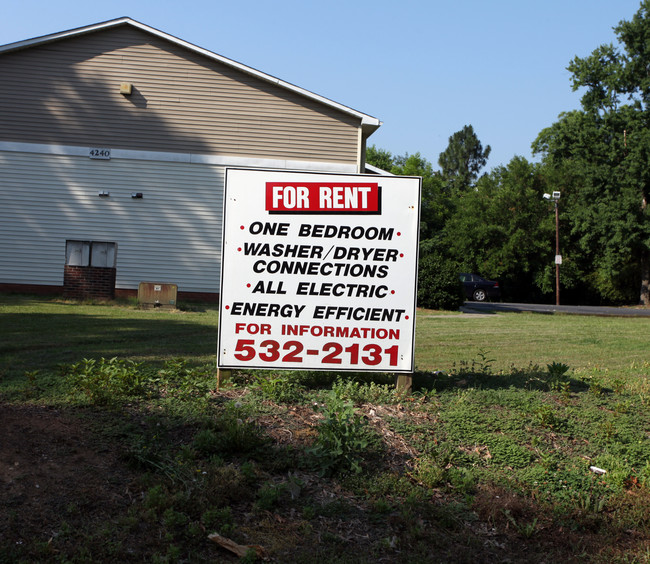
(479, 289)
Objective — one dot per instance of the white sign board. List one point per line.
(318, 271)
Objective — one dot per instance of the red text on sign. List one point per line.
(270, 350)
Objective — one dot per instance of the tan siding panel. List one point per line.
(182, 101)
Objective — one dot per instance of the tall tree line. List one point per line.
(498, 224)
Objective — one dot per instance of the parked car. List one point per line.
(479, 289)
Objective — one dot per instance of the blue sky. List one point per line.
(424, 68)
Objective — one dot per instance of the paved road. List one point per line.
(486, 307)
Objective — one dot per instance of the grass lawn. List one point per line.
(522, 338)
(527, 439)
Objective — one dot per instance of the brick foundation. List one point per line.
(40, 290)
(84, 282)
(37, 289)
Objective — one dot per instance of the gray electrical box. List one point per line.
(157, 294)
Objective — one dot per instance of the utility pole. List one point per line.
(558, 257)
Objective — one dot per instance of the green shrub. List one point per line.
(439, 286)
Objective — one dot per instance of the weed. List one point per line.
(106, 381)
(596, 388)
(207, 442)
(248, 471)
(338, 508)
(479, 365)
(269, 495)
(236, 432)
(608, 429)
(229, 431)
(463, 480)
(483, 364)
(592, 503)
(343, 437)
(31, 389)
(280, 389)
(219, 520)
(623, 407)
(507, 452)
(557, 370)
(618, 386)
(381, 506)
(175, 369)
(429, 472)
(150, 454)
(565, 390)
(156, 498)
(308, 512)
(526, 530)
(548, 461)
(173, 519)
(179, 381)
(360, 393)
(546, 417)
(250, 557)
(378, 485)
(443, 454)
(172, 555)
(436, 468)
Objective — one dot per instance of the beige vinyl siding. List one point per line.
(172, 234)
(67, 92)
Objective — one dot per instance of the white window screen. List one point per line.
(103, 254)
(90, 253)
(77, 253)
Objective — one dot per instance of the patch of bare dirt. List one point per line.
(52, 475)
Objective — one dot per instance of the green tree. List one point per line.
(503, 230)
(434, 209)
(438, 284)
(379, 157)
(434, 205)
(601, 157)
(463, 159)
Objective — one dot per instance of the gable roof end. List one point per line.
(369, 124)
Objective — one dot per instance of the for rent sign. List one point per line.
(318, 271)
(323, 197)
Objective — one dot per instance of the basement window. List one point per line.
(90, 253)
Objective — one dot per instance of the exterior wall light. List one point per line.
(126, 88)
(104, 194)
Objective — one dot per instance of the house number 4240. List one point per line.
(99, 153)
